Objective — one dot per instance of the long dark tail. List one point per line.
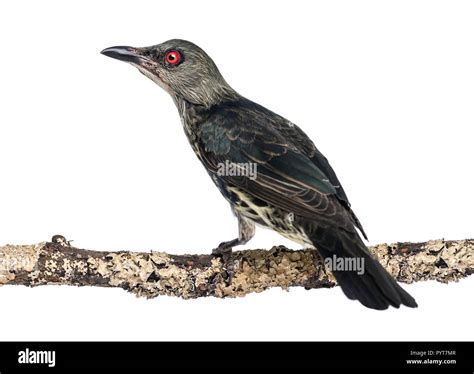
(373, 287)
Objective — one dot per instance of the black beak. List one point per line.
(127, 54)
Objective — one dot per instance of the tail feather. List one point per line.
(375, 288)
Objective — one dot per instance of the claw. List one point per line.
(224, 251)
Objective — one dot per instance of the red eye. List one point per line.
(172, 57)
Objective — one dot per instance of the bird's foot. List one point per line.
(224, 251)
(225, 247)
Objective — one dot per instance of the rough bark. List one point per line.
(189, 276)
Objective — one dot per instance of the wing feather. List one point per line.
(287, 176)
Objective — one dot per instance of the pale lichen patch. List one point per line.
(16, 259)
(435, 259)
(204, 277)
(34, 276)
(160, 258)
(67, 268)
(51, 266)
(263, 269)
(99, 266)
(127, 268)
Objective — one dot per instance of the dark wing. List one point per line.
(306, 145)
(287, 177)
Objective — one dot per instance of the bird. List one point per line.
(294, 190)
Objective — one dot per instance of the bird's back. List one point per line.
(254, 124)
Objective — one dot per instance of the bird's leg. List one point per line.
(246, 232)
(224, 250)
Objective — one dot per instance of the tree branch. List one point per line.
(190, 276)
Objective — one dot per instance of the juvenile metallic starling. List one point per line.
(266, 167)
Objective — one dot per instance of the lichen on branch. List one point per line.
(151, 274)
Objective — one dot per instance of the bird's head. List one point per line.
(181, 68)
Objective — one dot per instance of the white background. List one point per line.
(91, 149)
